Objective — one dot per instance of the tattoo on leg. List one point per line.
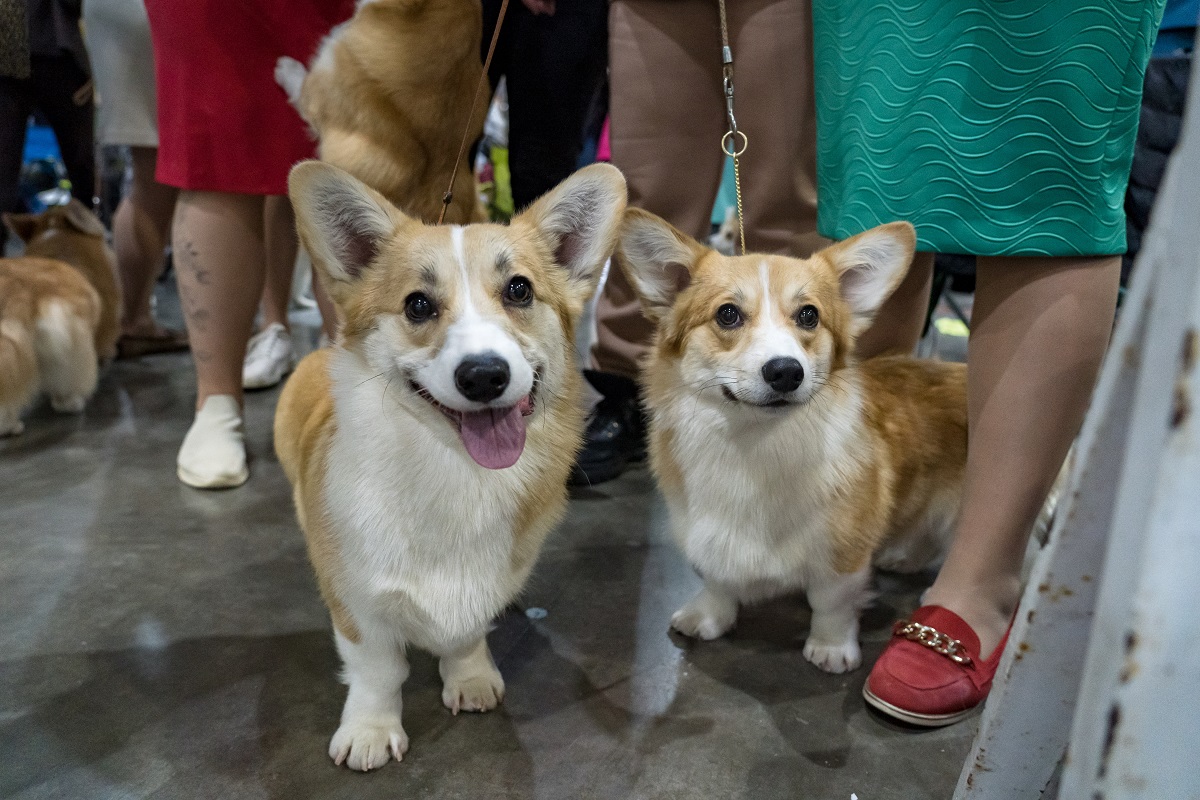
(189, 266)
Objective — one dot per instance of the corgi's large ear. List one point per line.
(870, 266)
(81, 218)
(342, 222)
(580, 218)
(23, 225)
(657, 259)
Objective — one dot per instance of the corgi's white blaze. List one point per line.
(772, 337)
(472, 333)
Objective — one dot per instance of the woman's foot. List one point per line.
(151, 339)
(213, 454)
(986, 604)
(933, 671)
(269, 356)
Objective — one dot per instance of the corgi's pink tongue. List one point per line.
(494, 437)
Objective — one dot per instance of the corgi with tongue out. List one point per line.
(429, 447)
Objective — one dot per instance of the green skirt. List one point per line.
(1001, 127)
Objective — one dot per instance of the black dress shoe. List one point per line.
(616, 433)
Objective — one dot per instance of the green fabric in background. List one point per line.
(1003, 127)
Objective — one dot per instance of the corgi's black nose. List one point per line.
(482, 378)
(783, 374)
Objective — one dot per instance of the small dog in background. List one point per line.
(60, 307)
(724, 239)
(786, 463)
(74, 235)
(387, 95)
(429, 448)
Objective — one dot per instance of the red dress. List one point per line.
(224, 125)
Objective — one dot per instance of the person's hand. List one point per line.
(540, 6)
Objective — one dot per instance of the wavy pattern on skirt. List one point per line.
(1001, 127)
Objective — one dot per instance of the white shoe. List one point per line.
(269, 356)
(213, 454)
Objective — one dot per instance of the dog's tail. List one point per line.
(290, 75)
(18, 367)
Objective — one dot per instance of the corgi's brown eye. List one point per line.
(519, 291)
(729, 316)
(807, 317)
(419, 308)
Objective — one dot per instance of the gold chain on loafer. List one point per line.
(933, 639)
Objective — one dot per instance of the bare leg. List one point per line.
(219, 253)
(279, 233)
(1039, 331)
(140, 229)
(897, 327)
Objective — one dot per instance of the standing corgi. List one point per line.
(429, 448)
(59, 311)
(787, 464)
(387, 95)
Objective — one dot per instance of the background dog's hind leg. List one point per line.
(833, 635)
(470, 680)
(66, 354)
(370, 732)
(18, 375)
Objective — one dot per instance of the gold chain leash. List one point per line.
(729, 142)
(933, 639)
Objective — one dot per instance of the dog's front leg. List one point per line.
(370, 730)
(833, 636)
(470, 680)
(708, 615)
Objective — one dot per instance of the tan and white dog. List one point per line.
(59, 311)
(387, 95)
(429, 449)
(786, 464)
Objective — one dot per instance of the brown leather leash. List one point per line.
(448, 197)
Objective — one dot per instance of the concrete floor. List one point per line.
(161, 642)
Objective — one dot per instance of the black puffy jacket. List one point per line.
(1164, 93)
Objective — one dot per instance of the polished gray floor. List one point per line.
(161, 642)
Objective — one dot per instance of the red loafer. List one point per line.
(931, 673)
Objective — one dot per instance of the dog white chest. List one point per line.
(755, 511)
(425, 534)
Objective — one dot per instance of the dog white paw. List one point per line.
(474, 693)
(366, 745)
(836, 658)
(706, 616)
(71, 404)
(11, 427)
(290, 74)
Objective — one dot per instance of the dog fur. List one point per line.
(773, 491)
(388, 95)
(413, 541)
(74, 235)
(59, 311)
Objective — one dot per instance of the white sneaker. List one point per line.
(269, 356)
(213, 454)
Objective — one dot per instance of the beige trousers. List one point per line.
(667, 119)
